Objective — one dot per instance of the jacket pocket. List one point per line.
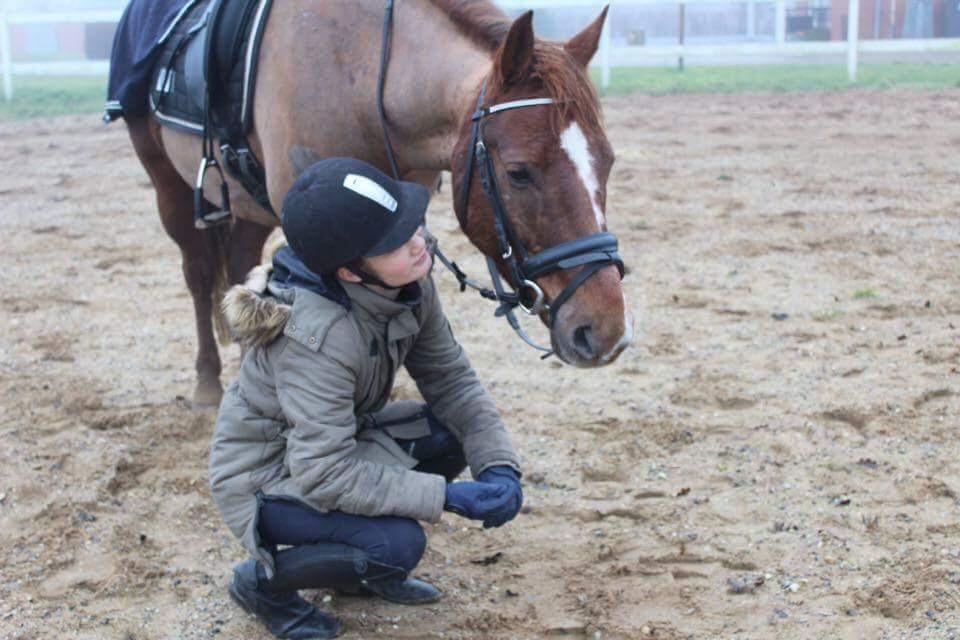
(378, 447)
(405, 419)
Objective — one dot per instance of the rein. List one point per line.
(592, 252)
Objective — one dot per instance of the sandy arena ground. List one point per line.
(775, 457)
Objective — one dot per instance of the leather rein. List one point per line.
(592, 252)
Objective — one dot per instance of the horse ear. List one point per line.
(516, 54)
(583, 45)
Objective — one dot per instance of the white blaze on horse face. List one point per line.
(574, 143)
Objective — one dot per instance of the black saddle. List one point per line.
(203, 84)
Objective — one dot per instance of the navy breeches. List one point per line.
(399, 542)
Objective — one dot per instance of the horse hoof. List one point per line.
(207, 396)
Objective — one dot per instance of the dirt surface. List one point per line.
(776, 456)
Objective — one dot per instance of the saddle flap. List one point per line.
(195, 66)
(205, 53)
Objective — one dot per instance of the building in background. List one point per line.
(65, 40)
(630, 25)
(899, 19)
(714, 23)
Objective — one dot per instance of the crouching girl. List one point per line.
(319, 476)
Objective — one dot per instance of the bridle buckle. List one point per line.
(538, 305)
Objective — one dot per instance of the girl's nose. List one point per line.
(418, 241)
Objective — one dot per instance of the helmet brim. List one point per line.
(411, 210)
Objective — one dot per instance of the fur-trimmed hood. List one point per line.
(257, 311)
(255, 315)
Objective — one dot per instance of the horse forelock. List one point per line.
(567, 83)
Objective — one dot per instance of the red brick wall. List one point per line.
(70, 38)
(840, 8)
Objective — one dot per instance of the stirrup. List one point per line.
(203, 219)
(212, 219)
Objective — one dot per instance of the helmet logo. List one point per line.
(370, 190)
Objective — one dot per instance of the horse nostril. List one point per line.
(583, 341)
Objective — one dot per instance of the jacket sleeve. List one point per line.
(315, 391)
(448, 383)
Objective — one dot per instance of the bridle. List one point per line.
(592, 252)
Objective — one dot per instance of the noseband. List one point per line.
(592, 252)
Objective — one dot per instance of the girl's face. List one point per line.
(406, 264)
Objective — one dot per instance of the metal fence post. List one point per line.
(780, 22)
(681, 28)
(6, 59)
(853, 38)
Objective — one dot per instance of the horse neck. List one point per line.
(429, 92)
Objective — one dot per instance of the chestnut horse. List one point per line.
(316, 97)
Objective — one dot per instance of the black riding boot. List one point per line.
(403, 590)
(283, 612)
(347, 569)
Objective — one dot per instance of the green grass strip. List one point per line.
(43, 97)
(777, 78)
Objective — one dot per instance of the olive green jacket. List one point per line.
(303, 420)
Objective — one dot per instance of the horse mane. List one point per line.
(482, 21)
(563, 79)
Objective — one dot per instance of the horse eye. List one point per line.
(519, 177)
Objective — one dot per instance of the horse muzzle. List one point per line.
(595, 326)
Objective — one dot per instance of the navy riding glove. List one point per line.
(476, 500)
(506, 477)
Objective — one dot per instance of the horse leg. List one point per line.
(246, 245)
(202, 252)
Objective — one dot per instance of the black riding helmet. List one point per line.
(342, 209)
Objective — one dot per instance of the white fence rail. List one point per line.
(609, 56)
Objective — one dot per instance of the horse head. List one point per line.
(548, 160)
